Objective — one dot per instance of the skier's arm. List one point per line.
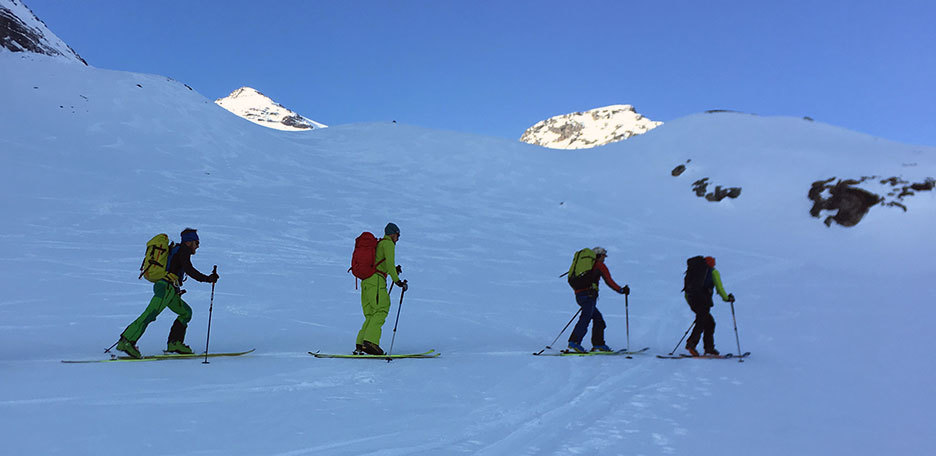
(389, 264)
(191, 271)
(716, 277)
(606, 275)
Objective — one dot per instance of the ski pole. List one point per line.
(627, 320)
(399, 308)
(681, 338)
(560, 332)
(210, 307)
(738, 340)
(112, 346)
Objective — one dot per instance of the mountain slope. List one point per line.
(592, 128)
(250, 104)
(22, 31)
(837, 317)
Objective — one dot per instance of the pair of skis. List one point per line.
(163, 357)
(428, 354)
(623, 352)
(687, 356)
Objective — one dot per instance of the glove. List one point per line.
(730, 297)
(213, 278)
(402, 284)
(625, 290)
(399, 269)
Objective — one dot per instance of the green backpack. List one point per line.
(581, 273)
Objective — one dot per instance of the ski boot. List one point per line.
(129, 348)
(692, 351)
(359, 350)
(371, 348)
(712, 352)
(576, 347)
(178, 347)
(601, 348)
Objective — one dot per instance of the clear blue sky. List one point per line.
(497, 67)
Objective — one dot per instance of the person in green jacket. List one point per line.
(375, 299)
(700, 301)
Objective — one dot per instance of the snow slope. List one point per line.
(592, 128)
(95, 162)
(258, 108)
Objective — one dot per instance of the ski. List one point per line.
(428, 354)
(595, 353)
(165, 356)
(685, 356)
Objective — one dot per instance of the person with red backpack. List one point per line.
(372, 264)
(702, 279)
(587, 268)
(167, 293)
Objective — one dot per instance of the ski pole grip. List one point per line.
(214, 270)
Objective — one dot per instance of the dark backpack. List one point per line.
(364, 255)
(696, 274)
(582, 274)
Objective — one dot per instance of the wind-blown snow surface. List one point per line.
(839, 320)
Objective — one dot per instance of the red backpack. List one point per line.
(365, 252)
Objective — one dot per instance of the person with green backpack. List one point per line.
(166, 265)
(587, 269)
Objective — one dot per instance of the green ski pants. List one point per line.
(164, 295)
(375, 301)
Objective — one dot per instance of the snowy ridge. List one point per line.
(256, 107)
(22, 31)
(592, 128)
(838, 319)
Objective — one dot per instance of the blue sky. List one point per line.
(497, 67)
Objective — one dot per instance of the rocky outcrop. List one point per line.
(700, 187)
(582, 130)
(22, 31)
(852, 203)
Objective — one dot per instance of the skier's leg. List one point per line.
(708, 332)
(587, 302)
(369, 287)
(598, 328)
(162, 293)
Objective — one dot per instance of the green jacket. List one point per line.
(386, 263)
(716, 277)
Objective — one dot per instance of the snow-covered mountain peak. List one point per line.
(22, 31)
(258, 108)
(595, 127)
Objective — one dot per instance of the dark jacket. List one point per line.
(181, 264)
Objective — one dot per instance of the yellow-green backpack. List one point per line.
(157, 258)
(580, 273)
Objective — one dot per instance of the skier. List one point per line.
(375, 299)
(587, 299)
(167, 293)
(698, 293)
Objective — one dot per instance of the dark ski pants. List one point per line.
(705, 327)
(588, 301)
